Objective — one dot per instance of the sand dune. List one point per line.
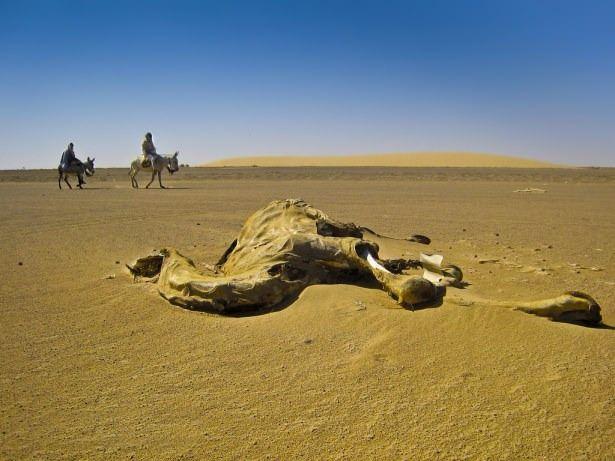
(411, 159)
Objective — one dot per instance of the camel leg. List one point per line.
(407, 290)
(160, 180)
(152, 180)
(572, 306)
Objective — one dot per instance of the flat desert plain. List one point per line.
(96, 366)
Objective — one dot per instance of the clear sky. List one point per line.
(218, 79)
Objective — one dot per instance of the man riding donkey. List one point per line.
(69, 159)
(151, 160)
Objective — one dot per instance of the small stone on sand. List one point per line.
(531, 189)
(485, 261)
(360, 305)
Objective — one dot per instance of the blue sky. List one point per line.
(218, 79)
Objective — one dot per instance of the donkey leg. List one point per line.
(133, 179)
(66, 181)
(60, 181)
(152, 180)
(160, 181)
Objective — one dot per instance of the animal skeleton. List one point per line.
(289, 245)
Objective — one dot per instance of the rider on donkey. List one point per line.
(69, 160)
(148, 151)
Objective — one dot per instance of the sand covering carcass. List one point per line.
(289, 245)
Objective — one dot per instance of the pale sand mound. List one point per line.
(413, 159)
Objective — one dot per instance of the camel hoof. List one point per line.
(583, 309)
(453, 273)
(571, 307)
(419, 239)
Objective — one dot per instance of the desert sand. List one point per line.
(96, 366)
(400, 159)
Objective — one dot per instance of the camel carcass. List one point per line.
(289, 245)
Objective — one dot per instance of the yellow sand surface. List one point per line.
(411, 159)
(95, 366)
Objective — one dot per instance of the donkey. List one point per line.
(160, 163)
(78, 170)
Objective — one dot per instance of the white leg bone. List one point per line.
(407, 290)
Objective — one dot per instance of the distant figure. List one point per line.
(70, 165)
(70, 161)
(148, 151)
(68, 158)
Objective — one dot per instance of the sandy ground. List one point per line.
(400, 159)
(103, 368)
